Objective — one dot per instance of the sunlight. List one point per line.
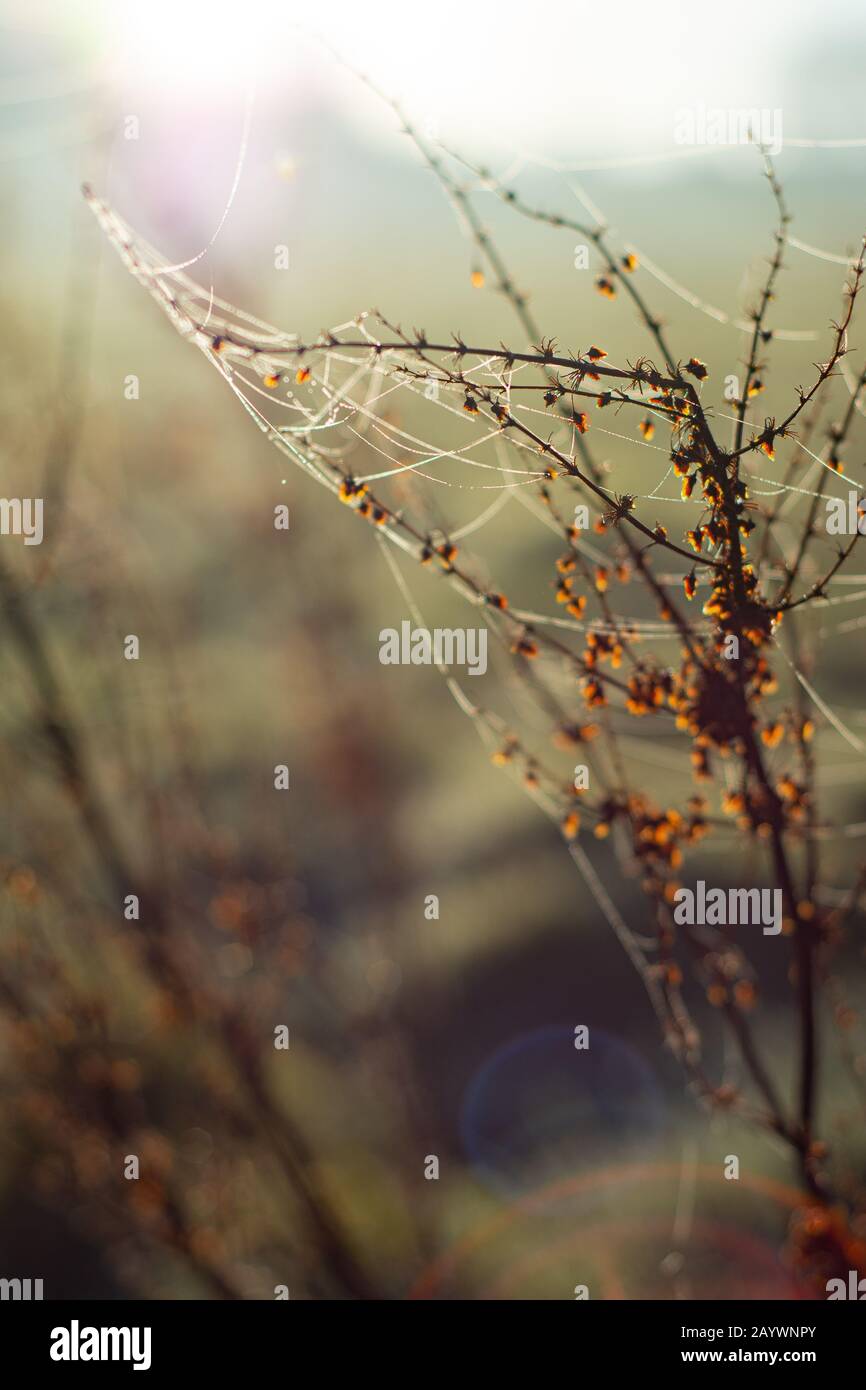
(573, 72)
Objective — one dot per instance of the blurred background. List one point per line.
(410, 1038)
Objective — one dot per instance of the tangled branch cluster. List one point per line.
(737, 581)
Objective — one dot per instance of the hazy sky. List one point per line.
(561, 78)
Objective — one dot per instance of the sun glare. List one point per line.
(572, 78)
